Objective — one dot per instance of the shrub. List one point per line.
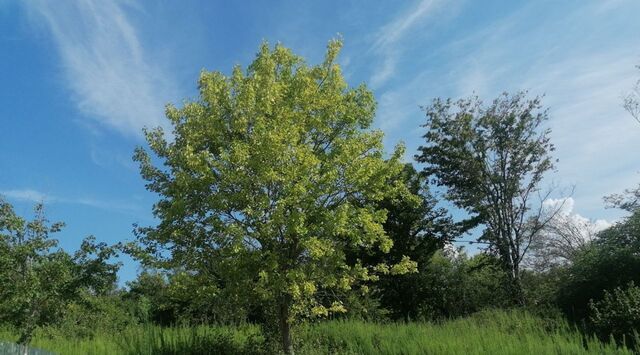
(611, 260)
(617, 315)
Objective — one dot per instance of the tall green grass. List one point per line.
(495, 332)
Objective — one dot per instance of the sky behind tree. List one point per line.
(80, 79)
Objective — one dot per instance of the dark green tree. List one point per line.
(149, 294)
(418, 228)
(611, 260)
(492, 160)
(180, 297)
(37, 279)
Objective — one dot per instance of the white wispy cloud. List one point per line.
(398, 27)
(35, 196)
(387, 45)
(108, 70)
(26, 195)
(102, 204)
(110, 158)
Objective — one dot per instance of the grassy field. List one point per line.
(486, 333)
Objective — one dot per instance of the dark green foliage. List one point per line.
(149, 295)
(418, 230)
(180, 297)
(455, 286)
(617, 314)
(446, 286)
(38, 280)
(611, 261)
(92, 315)
(540, 290)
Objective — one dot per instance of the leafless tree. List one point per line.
(561, 238)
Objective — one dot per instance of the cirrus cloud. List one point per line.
(113, 79)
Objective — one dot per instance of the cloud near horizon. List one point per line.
(566, 210)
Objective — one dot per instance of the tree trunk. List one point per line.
(515, 287)
(285, 325)
(23, 344)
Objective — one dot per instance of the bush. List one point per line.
(456, 286)
(618, 314)
(610, 261)
(91, 316)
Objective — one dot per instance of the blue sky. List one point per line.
(79, 80)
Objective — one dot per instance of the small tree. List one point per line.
(628, 201)
(271, 174)
(492, 160)
(38, 281)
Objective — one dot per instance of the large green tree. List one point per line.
(37, 279)
(492, 159)
(267, 178)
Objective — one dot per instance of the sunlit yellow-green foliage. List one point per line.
(269, 176)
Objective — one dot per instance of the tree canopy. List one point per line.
(267, 178)
(37, 279)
